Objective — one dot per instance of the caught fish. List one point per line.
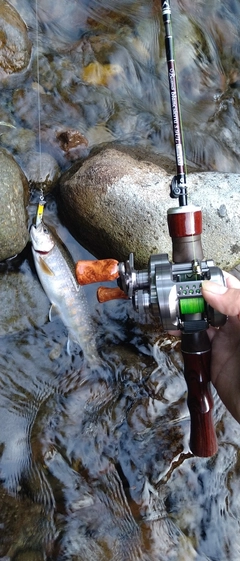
(56, 271)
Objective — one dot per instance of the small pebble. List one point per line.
(222, 211)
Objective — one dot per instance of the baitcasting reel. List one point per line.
(171, 292)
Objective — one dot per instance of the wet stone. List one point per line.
(20, 517)
(42, 171)
(17, 139)
(15, 47)
(29, 555)
(14, 197)
(115, 204)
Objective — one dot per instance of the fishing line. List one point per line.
(40, 209)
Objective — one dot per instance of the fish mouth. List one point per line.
(34, 230)
(33, 226)
(40, 238)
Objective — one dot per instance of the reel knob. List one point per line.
(98, 270)
(105, 294)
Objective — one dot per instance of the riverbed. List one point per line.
(95, 465)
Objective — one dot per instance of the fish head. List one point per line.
(41, 238)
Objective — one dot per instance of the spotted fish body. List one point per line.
(56, 272)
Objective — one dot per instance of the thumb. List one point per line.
(225, 300)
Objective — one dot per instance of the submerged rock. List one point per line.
(15, 47)
(115, 204)
(42, 171)
(14, 199)
(24, 303)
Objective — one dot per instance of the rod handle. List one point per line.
(98, 270)
(196, 350)
(104, 294)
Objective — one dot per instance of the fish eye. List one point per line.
(45, 230)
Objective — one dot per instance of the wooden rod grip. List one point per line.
(98, 270)
(196, 350)
(104, 294)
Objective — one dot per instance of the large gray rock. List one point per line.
(14, 199)
(115, 204)
(15, 47)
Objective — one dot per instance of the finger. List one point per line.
(225, 300)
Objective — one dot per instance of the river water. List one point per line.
(95, 465)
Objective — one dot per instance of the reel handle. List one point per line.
(196, 351)
(100, 270)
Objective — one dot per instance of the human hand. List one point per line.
(225, 360)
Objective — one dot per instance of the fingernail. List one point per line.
(214, 287)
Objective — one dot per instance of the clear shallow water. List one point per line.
(96, 465)
(102, 72)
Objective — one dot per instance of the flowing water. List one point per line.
(102, 71)
(95, 465)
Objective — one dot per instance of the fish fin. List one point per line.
(73, 346)
(53, 313)
(76, 285)
(45, 268)
(69, 347)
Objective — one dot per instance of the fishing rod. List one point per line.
(171, 291)
(178, 185)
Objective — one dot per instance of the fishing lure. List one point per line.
(40, 210)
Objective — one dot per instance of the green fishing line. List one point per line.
(191, 305)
